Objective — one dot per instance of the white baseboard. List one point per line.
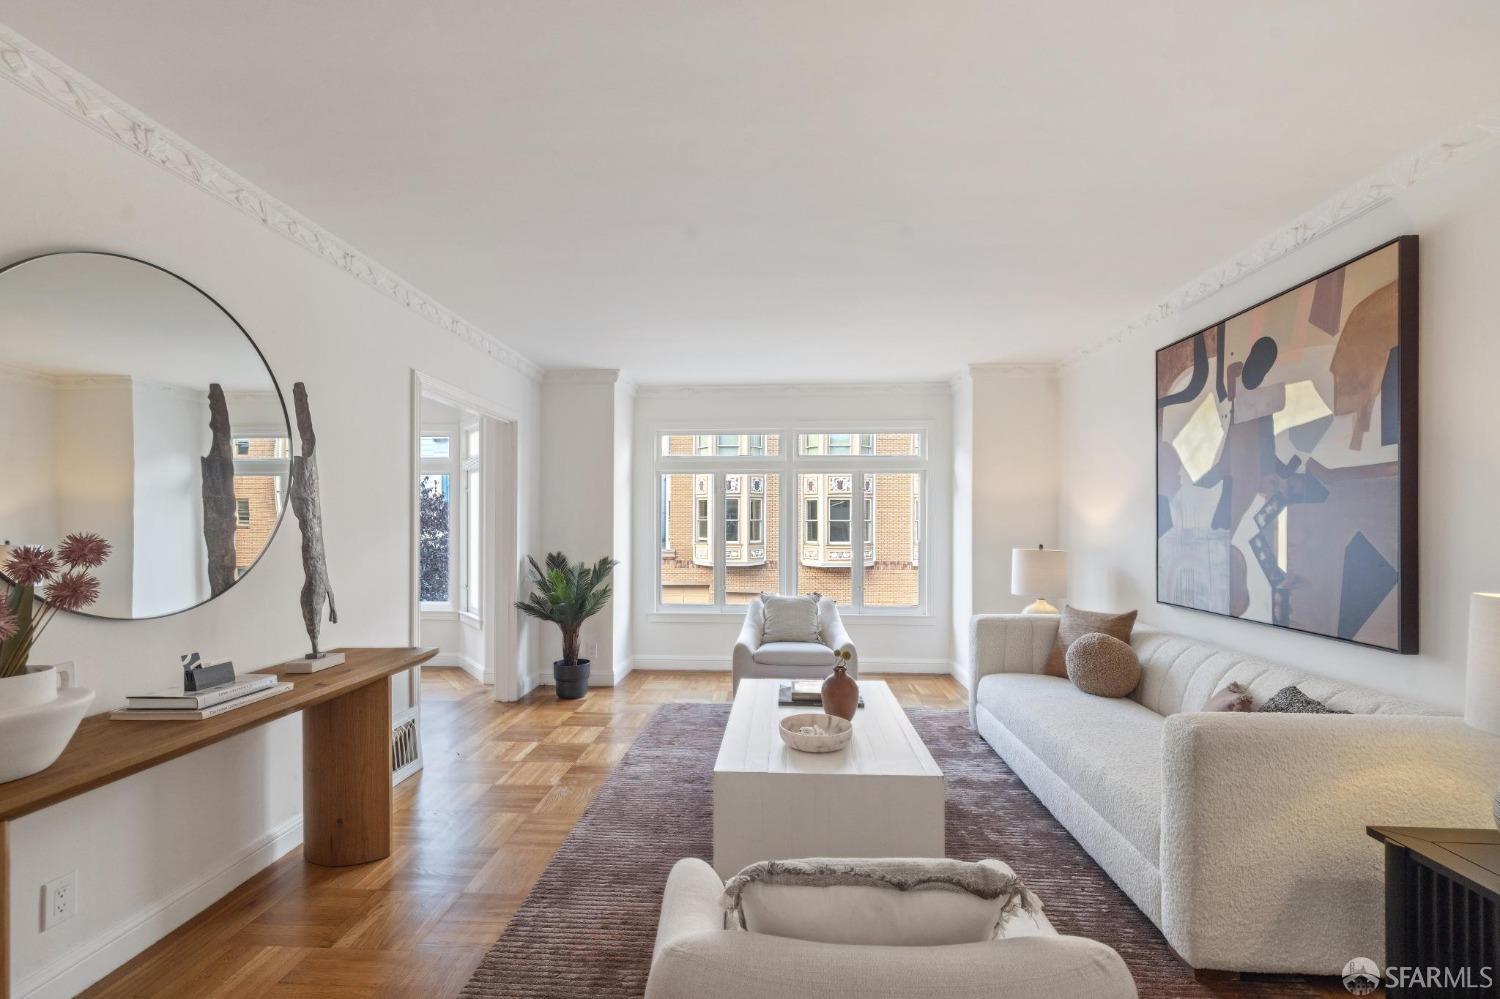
(469, 666)
(81, 967)
(622, 669)
(961, 674)
(934, 667)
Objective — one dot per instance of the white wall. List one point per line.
(188, 839)
(94, 468)
(1108, 488)
(908, 643)
(1015, 475)
(28, 503)
(580, 514)
(622, 604)
(1005, 467)
(170, 429)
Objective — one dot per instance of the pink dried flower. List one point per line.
(83, 550)
(8, 623)
(30, 564)
(72, 591)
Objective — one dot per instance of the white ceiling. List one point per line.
(755, 191)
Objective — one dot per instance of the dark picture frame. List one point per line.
(1271, 462)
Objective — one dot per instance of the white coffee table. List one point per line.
(881, 796)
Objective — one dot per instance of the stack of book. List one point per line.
(180, 705)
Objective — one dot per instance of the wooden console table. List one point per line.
(346, 761)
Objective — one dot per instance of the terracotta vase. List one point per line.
(840, 693)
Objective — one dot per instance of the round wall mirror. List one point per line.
(134, 407)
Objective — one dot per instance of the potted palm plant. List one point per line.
(568, 594)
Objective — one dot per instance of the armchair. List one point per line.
(760, 660)
(696, 956)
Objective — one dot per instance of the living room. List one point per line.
(515, 500)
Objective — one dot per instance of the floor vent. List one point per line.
(404, 750)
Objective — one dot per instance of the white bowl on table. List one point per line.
(838, 731)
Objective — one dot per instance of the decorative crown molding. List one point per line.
(39, 73)
(1400, 175)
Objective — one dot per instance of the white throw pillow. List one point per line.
(790, 619)
(925, 916)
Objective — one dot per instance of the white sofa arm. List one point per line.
(1008, 643)
(1265, 863)
(743, 662)
(690, 904)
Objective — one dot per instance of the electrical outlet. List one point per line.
(59, 900)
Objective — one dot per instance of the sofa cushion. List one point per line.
(790, 619)
(1103, 666)
(1076, 623)
(794, 654)
(1108, 750)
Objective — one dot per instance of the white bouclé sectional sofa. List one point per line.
(1241, 835)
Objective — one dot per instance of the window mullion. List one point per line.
(716, 507)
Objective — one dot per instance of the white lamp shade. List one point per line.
(1038, 572)
(1482, 689)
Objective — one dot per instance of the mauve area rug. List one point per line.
(587, 927)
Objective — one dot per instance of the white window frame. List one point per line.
(469, 538)
(788, 465)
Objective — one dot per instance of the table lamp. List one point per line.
(1042, 572)
(1482, 686)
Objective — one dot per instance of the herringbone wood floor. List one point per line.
(502, 786)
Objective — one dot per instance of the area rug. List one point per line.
(587, 927)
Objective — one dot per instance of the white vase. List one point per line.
(37, 718)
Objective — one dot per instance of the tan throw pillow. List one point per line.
(1234, 697)
(1103, 666)
(1075, 624)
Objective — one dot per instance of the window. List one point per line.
(262, 471)
(435, 530)
(435, 447)
(732, 520)
(871, 445)
(843, 507)
(838, 522)
(686, 573)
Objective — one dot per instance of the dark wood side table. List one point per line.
(1442, 907)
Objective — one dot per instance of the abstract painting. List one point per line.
(1286, 468)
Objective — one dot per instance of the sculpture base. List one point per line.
(305, 665)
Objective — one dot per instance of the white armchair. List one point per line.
(695, 956)
(757, 659)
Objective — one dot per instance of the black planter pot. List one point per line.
(572, 681)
